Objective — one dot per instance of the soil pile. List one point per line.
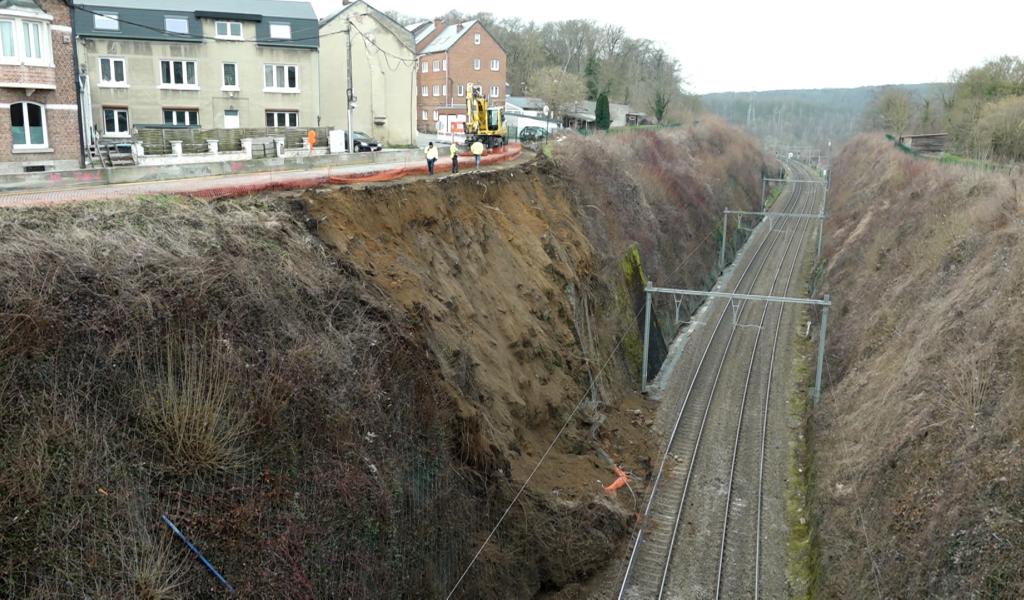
(920, 475)
(336, 393)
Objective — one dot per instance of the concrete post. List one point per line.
(213, 146)
(821, 351)
(138, 149)
(725, 236)
(176, 147)
(247, 148)
(279, 146)
(647, 337)
(764, 185)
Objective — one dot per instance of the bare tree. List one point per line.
(558, 89)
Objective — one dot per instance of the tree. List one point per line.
(603, 113)
(892, 109)
(557, 88)
(1000, 130)
(592, 74)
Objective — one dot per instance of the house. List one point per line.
(452, 57)
(39, 124)
(582, 114)
(527, 106)
(383, 73)
(214, 64)
(522, 111)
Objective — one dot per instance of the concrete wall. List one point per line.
(383, 83)
(146, 101)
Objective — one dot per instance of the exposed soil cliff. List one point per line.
(919, 469)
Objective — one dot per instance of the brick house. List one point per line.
(450, 58)
(39, 118)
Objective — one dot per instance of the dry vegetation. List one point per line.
(335, 395)
(920, 475)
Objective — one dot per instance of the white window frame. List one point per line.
(277, 31)
(175, 112)
(278, 113)
(435, 115)
(461, 90)
(29, 146)
(444, 65)
(476, 39)
(184, 85)
(227, 27)
(495, 64)
(277, 88)
(105, 18)
(113, 83)
(223, 79)
(436, 89)
(115, 110)
(424, 91)
(444, 90)
(18, 42)
(169, 18)
(476, 64)
(437, 66)
(495, 91)
(423, 115)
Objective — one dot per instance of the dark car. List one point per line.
(532, 134)
(365, 143)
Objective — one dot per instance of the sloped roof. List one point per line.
(25, 5)
(266, 8)
(448, 36)
(421, 30)
(387, 22)
(527, 102)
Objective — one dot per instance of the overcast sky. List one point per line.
(742, 45)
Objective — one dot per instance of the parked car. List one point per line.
(532, 134)
(365, 143)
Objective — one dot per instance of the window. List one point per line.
(280, 118)
(495, 64)
(461, 90)
(425, 67)
(176, 25)
(281, 78)
(424, 91)
(494, 91)
(178, 73)
(228, 30)
(444, 65)
(112, 72)
(106, 22)
(28, 126)
(230, 79)
(7, 39)
(476, 64)
(435, 115)
(181, 116)
(476, 39)
(444, 89)
(437, 66)
(115, 122)
(24, 42)
(280, 31)
(437, 90)
(423, 115)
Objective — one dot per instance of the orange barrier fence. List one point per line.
(392, 173)
(621, 479)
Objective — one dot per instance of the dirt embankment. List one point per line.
(336, 393)
(919, 467)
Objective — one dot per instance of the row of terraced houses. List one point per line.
(78, 76)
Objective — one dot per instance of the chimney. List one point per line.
(460, 27)
(437, 25)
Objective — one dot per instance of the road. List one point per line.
(715, 521)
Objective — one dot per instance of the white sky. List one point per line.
(742, 45)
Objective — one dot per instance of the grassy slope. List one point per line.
(920, 484)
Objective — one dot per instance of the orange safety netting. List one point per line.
(231, 190)
(621, 479)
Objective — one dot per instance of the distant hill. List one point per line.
(803, 117)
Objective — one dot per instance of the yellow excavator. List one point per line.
(484, 123)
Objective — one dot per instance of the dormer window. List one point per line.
(176, 25)
(106, 22)
(228, 30)
(280, 31)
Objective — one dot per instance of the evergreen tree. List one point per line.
(591, 76)
(603, 113)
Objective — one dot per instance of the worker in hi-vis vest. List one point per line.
(478, 149)
(453, 152)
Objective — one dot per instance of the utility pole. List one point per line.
(350, 97)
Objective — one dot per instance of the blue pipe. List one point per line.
(199, 555)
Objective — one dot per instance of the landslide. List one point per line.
(336, 393)
(919, 472)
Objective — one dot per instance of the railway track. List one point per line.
(701, 534)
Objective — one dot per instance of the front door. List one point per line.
(231, 119)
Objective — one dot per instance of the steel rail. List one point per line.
(675, 428)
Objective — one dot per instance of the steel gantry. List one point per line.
(769, 216)
(824, 303)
